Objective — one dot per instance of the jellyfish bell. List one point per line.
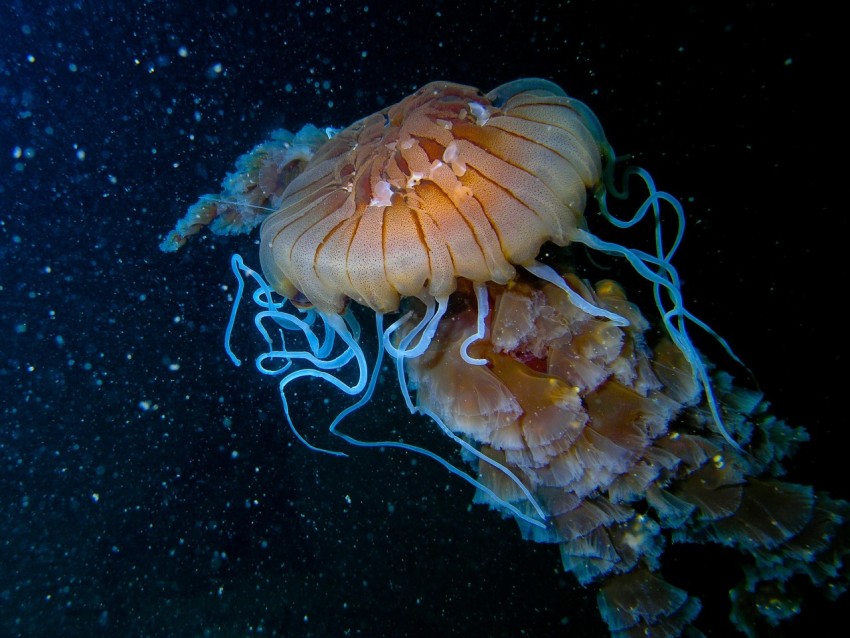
(443, 185)
(433, 214)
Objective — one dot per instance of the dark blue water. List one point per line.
(150, 488)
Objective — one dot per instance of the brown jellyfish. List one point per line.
(447, 184)
(592, 436)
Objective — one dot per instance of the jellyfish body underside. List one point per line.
(615, 442)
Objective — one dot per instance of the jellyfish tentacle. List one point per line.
(652, 201)
(428, 330)
(314, 357)
(236, 264)
(678, 332)
(480, 330)
(499, 466)
(398, 352)
(262, 297)
(285, 322)
(316, 354)
(547, 273)
(336, 323)
(666, 276)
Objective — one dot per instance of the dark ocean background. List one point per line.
(150, 488)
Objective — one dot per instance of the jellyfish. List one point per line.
(458, 219)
